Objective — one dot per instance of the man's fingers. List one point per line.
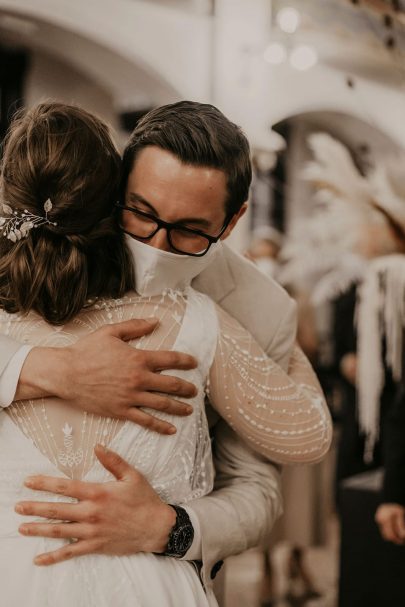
(113, 462)
(51, 510)
(166, 359)
(161, 402)
(131, 329)
(167, 384)
(399, 527)
(61, 486)
(141, 418)
(391, 521)
(56, 530)
(387, 531)
(66, 552)
(146, 420)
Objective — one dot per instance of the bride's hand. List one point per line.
(120, 517)
(102, 374)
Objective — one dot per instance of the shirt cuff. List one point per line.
(194, 553)
(11, 374)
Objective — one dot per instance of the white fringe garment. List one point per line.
(380, 317)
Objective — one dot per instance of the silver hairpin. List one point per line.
(18, 225)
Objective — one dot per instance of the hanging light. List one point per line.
(275, 53)
(303, 57)
(288, 20)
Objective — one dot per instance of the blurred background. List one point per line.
(318, 87)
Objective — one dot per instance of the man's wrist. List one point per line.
(44, 373)
(168, 520)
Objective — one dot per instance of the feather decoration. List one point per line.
(380, 315)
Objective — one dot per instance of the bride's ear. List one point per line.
(234, 221)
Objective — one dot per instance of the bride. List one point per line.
(65, 270)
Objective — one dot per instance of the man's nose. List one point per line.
(160, 241)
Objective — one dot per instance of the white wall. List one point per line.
(49, 78)
(172, 45)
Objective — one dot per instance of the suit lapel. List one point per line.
(218, 279)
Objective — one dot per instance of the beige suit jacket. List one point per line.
(241, 510)
(246, 500)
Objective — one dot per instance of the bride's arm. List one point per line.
(282, 416)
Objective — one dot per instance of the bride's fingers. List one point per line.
(56, 530)
(52, 510)
(66, 552)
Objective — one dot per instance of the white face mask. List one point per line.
(157, 270)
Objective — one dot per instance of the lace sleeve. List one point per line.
(283, 417)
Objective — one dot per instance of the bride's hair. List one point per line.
(62, 154)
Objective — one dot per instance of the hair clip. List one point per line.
(18, 225)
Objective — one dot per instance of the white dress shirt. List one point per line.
(11, 374)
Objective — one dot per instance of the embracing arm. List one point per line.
(240, 512)
(282, 416)
(102, 374)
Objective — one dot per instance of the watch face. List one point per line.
(181, 540)
(181, 536)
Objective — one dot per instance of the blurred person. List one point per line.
(264, 249)
(19, 226)
(381, 328)
(355, 219)
(390, 515)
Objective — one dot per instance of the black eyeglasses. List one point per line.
(181, 239)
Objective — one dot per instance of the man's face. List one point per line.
(161, 185)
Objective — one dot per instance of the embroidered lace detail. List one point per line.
(284, 417)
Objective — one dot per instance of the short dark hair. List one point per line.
(63, 153)
(200, 135)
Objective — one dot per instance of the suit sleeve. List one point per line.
(244, 505)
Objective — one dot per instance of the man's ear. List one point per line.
(234, 221)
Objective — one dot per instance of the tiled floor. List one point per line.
(244, 574)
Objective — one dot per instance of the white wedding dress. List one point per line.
(282, 418)
(45, 437)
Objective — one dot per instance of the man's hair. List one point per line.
(62, 153)
(197, 134)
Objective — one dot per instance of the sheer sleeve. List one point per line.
(282, 416)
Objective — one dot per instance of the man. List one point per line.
(390, 515)
(111, 378)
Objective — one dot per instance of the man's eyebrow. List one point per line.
(198, 221)
(138, 198)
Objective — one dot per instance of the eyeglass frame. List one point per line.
(169, 226)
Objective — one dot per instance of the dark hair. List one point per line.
(62, 153)
(198, 134)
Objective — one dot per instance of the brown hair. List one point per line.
(198, 134)
(62, 153)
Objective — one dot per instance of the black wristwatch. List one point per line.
(181, 536)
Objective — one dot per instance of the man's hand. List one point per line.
(348, 367)
(102, 374)
(124, 516)
(391, 520)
